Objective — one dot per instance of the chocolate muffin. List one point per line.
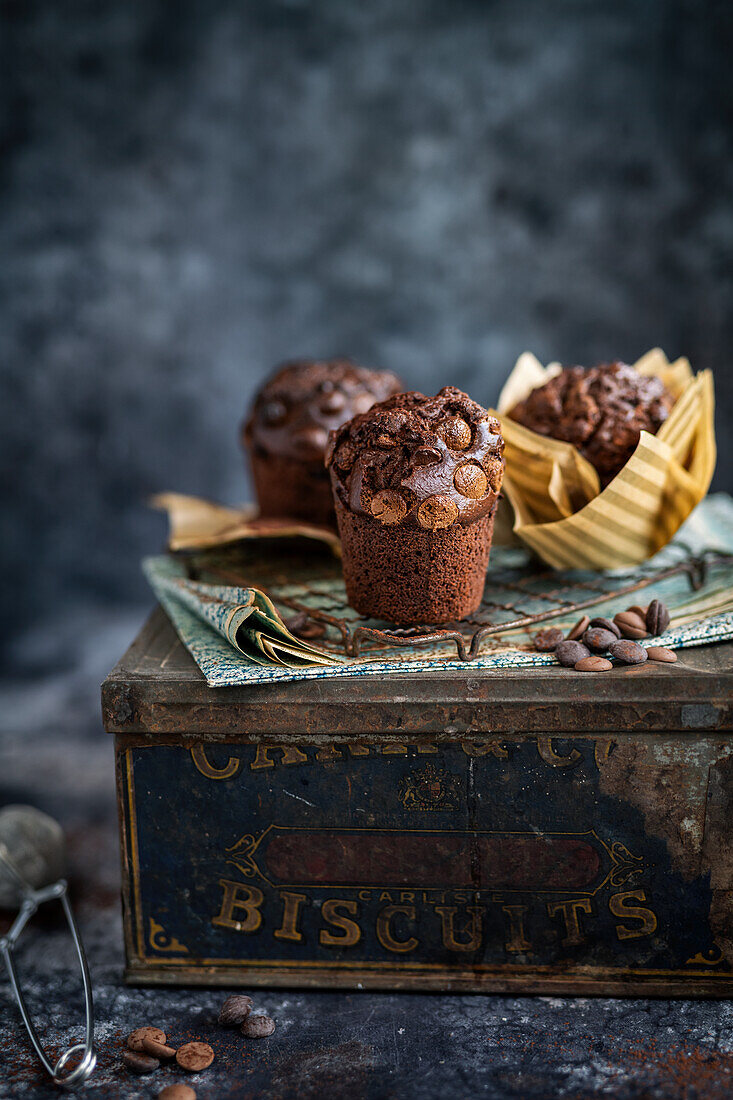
(287, 431)
(415, 482)
(602, 410)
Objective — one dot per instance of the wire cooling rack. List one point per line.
(519, 595)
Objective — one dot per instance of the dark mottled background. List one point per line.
(192, 191)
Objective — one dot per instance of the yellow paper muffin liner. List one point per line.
(559, 508)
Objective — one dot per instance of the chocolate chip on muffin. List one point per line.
(287, 431)
(601, 410)
(415, 482)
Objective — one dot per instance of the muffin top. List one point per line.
(295, 410)
(602, 410)
(419, 461)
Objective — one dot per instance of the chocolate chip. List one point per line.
(494, 470)
(437, 512)
(657, 617)
(235, 1010)
(426, 456)
(135, 1038)
(193, 1057)
(546, 640)
(456, 433)
(607, 624)
(593, 664)
(598, 639)
(177, 1092)
(258, 1027)
(137, 1062)
(388, 506)
(661, 653)
(570, 652)
(630, 624)
(579, 629)
(630, 653)
(332, 403)
(158, 1050)
(470, 481)
(345, 456)
(274, 413)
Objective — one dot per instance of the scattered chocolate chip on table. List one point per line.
(631, 625)
(661, 653)
(606, 624)
(569, 653)
(594, 664)
(194, 1057)
(158, 1050)
(258, 1027)
(135, 1038)
(628, 652)
(637, 610)
(177, 1092)
(657, 618)
(598, 639)
(579, 629)
(138, 1062)
(235, 1010)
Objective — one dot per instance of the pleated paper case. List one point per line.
(559, 509)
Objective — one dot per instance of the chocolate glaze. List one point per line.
(419, 461)
(602, 410)
(304, 400)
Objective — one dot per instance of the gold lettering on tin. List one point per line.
(516, 942)
(447, 915)
(198, 755)
(618, 906)
(495, 747)
(570, 912)
(384, 929)
(350, 930)
(289, 930)
(328, 753)
(602, 751)
(238, 897)
(547, 753)
(290, 755)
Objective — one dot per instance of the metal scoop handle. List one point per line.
(31, 900)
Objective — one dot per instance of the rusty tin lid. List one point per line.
(156, 688)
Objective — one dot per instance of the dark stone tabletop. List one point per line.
(54, 754)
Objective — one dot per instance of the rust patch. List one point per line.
(667, 782)
(718, 852)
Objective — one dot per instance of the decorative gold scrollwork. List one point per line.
(161, 941)
(712, 957)
(625, 865)
(240, 855)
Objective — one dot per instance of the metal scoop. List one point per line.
(32, 862)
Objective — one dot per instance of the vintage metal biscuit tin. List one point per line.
(532, 830)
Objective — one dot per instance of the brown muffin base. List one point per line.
(289, 487)
(408, 575)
